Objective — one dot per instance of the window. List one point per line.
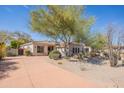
(40, 49)
(73, 50)
(78, 50)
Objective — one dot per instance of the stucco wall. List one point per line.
(39, 54)
(12, 52)
(70, 49)
(33, 48)
(28, 47)
(61, 50)
(75, 46)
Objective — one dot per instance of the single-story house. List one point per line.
(45, 47)
(38, 48)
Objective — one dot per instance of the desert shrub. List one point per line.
(28, 53)
(85, 54)
(55, 54)
(81, 56)
(122, 62)
(60, 63)
(119, 57)
(93, 54)
(2, 51)
(76, 56)
(106, 55)
(66, 57)
(114, 60)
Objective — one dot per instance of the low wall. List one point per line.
(12, 52)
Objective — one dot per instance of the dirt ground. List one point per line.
(37, 72)
(99, 72)
(40, 71)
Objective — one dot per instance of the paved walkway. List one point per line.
(35, 72)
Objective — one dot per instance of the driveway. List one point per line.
(37, 72)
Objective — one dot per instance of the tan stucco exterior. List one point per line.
(33, 47)
(73, 48)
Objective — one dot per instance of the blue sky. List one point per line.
(16, 18)
(105, 15)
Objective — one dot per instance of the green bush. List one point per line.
(55, 54)
(28, 53)
(93, 54)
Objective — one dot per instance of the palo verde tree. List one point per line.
(99, 42)
(61, 23)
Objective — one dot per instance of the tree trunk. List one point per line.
(66, 49)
